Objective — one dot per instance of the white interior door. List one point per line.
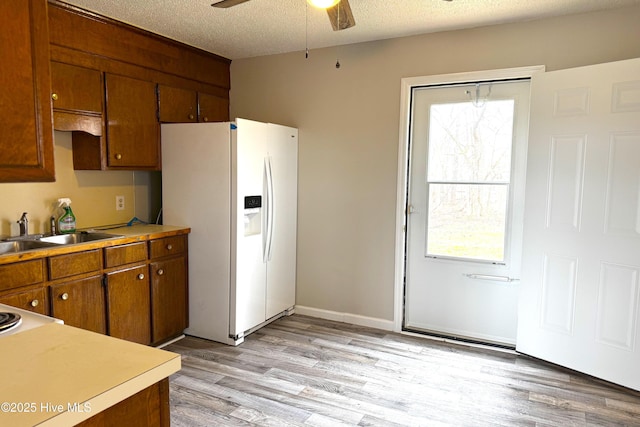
(580, 295)
(466, 202)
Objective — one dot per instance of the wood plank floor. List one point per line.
(305, 371)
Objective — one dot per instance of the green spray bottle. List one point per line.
(67, 221)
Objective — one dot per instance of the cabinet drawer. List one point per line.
(72, 264)
(168, 246)
(21, 274)
(32, 300)
(125, 254)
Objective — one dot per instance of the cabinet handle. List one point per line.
(118, 156)
(169, 247)
(190, 116)
(54, 96)
(64, 296)
(34, 303)
(140, 276)
(205, 119)
(160, 272)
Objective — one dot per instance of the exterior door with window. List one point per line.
(465, 209)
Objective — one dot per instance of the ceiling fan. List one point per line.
(340, 14)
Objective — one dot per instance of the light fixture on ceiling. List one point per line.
(323, 4)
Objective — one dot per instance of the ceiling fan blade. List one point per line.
(340, 16)
(228, 3)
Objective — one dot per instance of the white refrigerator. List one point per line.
(235, 185)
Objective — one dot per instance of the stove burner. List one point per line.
(8, 320)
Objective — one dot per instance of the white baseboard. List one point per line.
(354, 319)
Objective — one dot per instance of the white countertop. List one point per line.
(49, 369)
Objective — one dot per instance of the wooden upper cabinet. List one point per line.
(133, 131)
(26, 134)
(76, 88)
(177, 105)
(77, 98)
(213, 108)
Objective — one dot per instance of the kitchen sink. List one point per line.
(14, 246)
(82, 237)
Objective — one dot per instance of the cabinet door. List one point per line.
(177, 105)
(32, 300)
(168, 298)
(76, 88)
(133, 131)
(77, 98)
(26, 134)
(128, 305)
(212, 108)
(80, 303)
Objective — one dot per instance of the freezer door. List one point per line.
(196, 192)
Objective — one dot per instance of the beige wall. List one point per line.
(92, 193)
(349, 121)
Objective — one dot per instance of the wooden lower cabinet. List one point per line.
(168, 298)
(80, 303)
(129, 305)
(33, 300)
(135, 291)
(147, 408)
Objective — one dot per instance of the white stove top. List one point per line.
(29, 320)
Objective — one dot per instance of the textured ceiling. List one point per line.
(264, 27)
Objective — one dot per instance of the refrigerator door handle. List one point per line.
(269, 208)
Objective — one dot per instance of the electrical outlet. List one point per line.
(119, 203)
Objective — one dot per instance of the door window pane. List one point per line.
(468, 177)
(467, 221)
(470, 144)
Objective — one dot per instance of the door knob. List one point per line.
(160, 272)
(34, 303)
(140, 276)
(64, 296)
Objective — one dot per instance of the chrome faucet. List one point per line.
(24, 224)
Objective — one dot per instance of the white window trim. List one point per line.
(406, 86)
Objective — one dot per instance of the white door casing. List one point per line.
(580, 283)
